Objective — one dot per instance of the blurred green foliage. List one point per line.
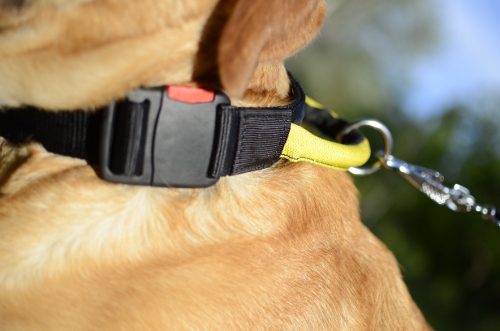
(450, 261)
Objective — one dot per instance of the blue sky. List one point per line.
(466, 64)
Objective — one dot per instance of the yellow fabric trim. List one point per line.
(302, 145)
(313, 103)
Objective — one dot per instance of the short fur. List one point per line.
(277, 249)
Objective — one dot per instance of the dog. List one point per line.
(281, 248)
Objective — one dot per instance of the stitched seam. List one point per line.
(301, 158)
(282, 139)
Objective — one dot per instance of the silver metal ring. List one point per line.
(382, 129)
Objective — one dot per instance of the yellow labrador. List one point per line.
(276, 249)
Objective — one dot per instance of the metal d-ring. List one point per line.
(382, 129)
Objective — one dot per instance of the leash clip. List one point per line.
(427, 181)
(430, 182)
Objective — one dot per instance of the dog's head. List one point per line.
(64, 54)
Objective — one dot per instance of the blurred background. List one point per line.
(430, 70)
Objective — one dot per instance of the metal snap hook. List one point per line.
(427, 181)
(379, 127)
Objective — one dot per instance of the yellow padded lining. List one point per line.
(302, 145)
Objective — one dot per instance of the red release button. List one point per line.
(190, 94)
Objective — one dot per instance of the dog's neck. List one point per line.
(148, 137)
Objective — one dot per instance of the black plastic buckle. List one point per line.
(177, 141)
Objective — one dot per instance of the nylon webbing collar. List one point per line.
(154, 137)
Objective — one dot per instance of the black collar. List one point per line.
(155, 137)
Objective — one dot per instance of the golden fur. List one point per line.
(277, 249)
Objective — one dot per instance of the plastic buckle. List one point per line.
(178, 142)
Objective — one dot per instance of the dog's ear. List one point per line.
(260, 30)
